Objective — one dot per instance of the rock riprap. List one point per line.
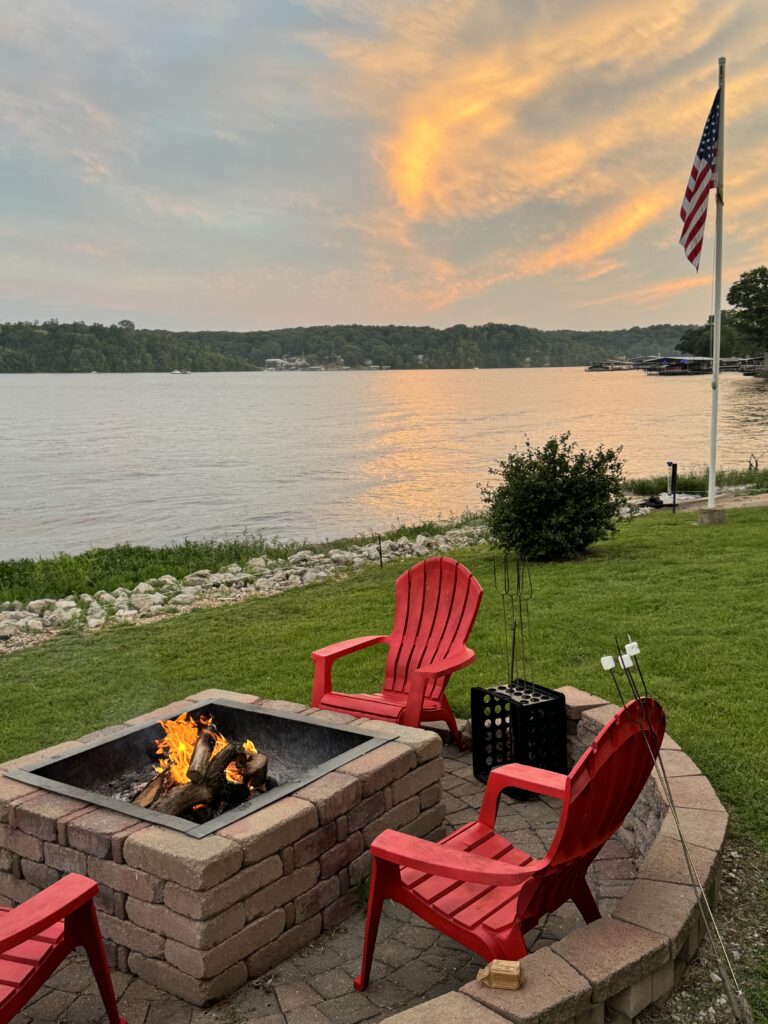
(22, 625)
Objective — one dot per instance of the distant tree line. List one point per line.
(744, 328)
(53, 347)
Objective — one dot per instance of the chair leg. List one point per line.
(451, 722)
(89, 936)
(585, 901)
(375, 902)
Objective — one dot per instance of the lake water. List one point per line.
(91, 460)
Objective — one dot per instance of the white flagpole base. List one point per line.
(711, 516)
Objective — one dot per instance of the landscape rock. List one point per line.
(262, 577)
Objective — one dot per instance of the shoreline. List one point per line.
(24, 625)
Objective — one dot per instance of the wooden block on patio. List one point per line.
(501, 974)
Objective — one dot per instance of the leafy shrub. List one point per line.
(553, 502)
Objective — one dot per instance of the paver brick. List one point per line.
(38, 815)
(203, 964)
(416, 780)
(273, 827)
(25, 845)
(126, 933)
(11, 790)
(612, 954)
(37, 874)
(425, 743)
(194, 990)
(665, 862)
(398, 817)
(578, 701)
(127, 879)
(340, 910)
(63, 859)
(381, 767)
(633, 999)
(312, 846)
(451, 1008)
(213, 694)
(312, 902)
(694, 791)
(92, 833)
(16, 890)
(552, 992)
(426, 822)
(341, 855)
(197, 934)
(661, 907)
(194, 863)
(118, 840)
(332, 795)
(282, 891)
(202, 905)
(700, 828)
(291, 941)
(366, 811)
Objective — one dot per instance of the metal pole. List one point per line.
(718, 289)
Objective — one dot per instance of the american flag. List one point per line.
(693, 212)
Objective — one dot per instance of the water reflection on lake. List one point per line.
(151, 458)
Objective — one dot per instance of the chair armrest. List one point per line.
(421, 676)
(452, 663)
(326, 656)
(46, 908)
(409, 852)
(334, 651)
(521, 776)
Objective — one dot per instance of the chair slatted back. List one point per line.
(603, 786)
(436, 603)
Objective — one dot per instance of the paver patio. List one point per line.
(413, 962)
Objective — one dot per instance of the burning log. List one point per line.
(184, 798)
(201, 755)
(154, 789)
(202, 773)
(253, 768)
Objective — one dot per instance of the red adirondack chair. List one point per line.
(40, 933)
(477, 888)
(436, 602)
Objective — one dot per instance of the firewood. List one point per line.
(501, 974)
(201, 755)
(183, 798)
(254, 771)
(154, 789)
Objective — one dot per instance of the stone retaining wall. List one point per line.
(198, 917)
(617, 966)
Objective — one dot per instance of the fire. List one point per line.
(178, 744)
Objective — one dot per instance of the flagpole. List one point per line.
(718, 288)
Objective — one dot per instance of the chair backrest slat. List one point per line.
(436, 603)
(602, 788)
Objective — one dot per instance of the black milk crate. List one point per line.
(522, 722)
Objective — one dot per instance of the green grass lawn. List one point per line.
(694, 597)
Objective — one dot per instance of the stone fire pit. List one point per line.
(198, 916)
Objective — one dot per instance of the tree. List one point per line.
(749, 298)
(697, 341)
(554, 501)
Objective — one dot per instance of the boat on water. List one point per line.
(611, 366)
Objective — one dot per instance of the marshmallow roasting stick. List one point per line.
(628, 659)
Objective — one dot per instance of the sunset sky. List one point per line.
(247, 164)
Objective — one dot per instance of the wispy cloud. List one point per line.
(369, 159)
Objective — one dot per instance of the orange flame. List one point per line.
(177, 745)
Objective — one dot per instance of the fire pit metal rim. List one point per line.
(198, 831)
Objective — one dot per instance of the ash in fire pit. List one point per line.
(205, 769)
